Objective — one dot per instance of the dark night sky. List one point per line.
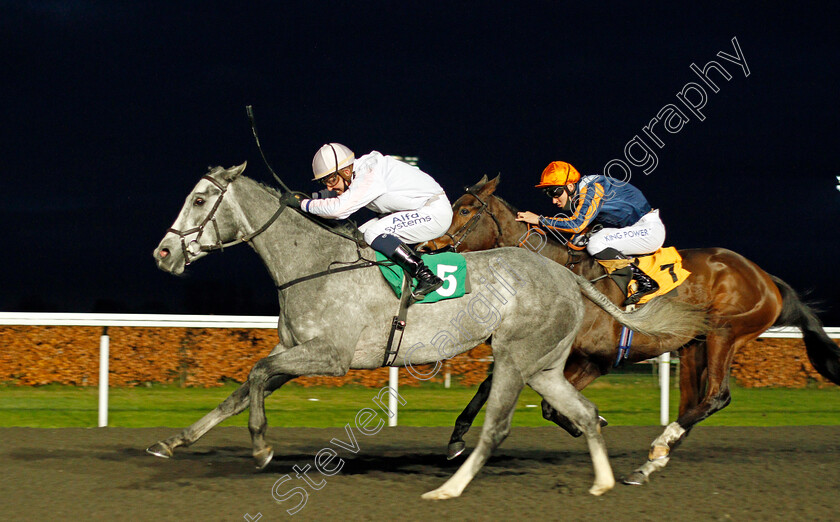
(113, 110)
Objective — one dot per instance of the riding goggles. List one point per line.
(332, 179)
(554, 192)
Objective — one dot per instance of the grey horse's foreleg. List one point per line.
(234, 404)
(464, 421)
(579, 371)
(569, 402)
(507, 384)
(315, 357)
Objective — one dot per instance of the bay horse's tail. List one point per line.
(822, 351)
(660, 318)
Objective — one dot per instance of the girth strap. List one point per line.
(398, 324)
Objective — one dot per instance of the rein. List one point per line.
(470, 225)
(329, 271)
(573, 257)
(250, 112)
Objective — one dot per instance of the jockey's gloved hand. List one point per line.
(324, 193)
(293, 199)
(580, 240)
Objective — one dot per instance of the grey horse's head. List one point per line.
(204, 223)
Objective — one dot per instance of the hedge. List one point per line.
(205, 357)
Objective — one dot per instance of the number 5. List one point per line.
(450, 284)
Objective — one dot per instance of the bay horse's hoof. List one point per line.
(636, 478)
(455, 449)
(263, 457)
(159, 449)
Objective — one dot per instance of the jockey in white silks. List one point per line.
(413, 207)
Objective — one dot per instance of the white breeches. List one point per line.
(642, 237)
(413, 226)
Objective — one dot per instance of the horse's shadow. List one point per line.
(193, 465)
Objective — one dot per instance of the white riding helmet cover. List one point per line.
(331, 158)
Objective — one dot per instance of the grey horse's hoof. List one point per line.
(455, 449)
(603, 421)
(159, 450)
(635, 479)
(262, 458)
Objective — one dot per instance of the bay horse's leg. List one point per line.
(314, 357)
(507, 385)
(234, 404)
(720, 348)
(569, 402)
(692, 375)
(464, 421)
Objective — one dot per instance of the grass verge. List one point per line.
(625, 400)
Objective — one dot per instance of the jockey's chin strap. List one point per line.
(192, 249)
(470, 225)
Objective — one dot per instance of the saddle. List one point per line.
(663, 266)
(449, 266)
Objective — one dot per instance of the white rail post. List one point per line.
(394, 383)
(104, 344)
(664, 391)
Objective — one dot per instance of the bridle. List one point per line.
(470, 225)
(191, 253)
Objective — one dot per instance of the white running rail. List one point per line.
(259, 321)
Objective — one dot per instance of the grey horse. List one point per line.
(532, 308)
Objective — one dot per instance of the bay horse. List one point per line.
(330, 324)
(742, 299)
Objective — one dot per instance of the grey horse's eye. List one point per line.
(198, 202)
(464, 212)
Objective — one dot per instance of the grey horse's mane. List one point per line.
(274, 191)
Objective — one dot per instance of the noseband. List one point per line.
(470, 225)
(191, 253)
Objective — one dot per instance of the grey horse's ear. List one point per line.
(234, 172)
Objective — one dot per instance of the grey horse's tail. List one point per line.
(822, 351)
(660, 318)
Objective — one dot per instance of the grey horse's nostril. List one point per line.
(164, 252)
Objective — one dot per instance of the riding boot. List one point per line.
(644, 286)
(617, 267)
(427, 281)
(644, 283)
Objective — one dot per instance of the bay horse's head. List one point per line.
(204, 224)
(474, 226)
